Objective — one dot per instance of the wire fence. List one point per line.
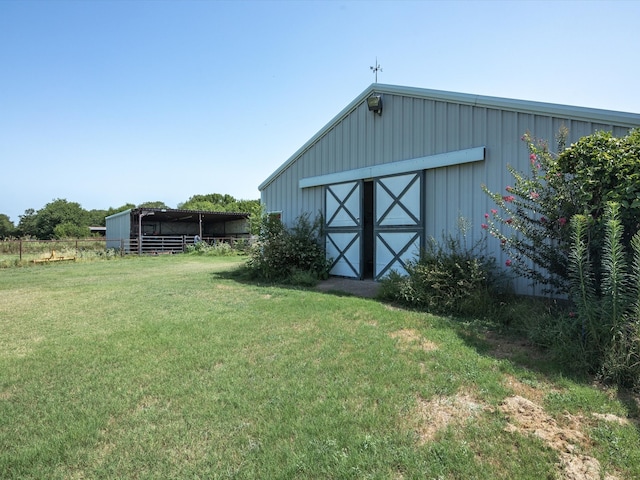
(71, 249)
(49, 249)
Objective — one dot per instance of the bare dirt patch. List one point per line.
(409, 339)
(357, 288)
(529, 418)
(609, 417)
(524, 416)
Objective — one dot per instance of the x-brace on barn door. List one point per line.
(343, 228)
(398, 226)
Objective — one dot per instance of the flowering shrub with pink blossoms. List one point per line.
(580, 179)
(535, 208)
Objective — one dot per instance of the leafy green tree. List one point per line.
(57, 212)
(27, 224)
(113, 211)
(221, 201)
(602, 169)
(212, 202)
(70, 230)
(7, 228)
(202, 205)
(95, 218)
(157, 204)
(216, 202)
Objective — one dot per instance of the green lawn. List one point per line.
(166, 367)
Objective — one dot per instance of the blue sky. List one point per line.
(111, 102)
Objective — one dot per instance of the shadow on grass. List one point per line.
(487, 337)
(511, 344)
(337, 286)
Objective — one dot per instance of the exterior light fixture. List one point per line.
(374, 102)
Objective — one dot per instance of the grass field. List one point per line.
(166, 367)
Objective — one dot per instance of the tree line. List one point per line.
(61, 218)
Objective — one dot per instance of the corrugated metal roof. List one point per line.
(526, 106)
(183, 215)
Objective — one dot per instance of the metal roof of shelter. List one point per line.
(176, 215)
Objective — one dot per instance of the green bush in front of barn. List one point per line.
(450, 277)
(292, 255)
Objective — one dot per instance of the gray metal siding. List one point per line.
(413, 127)
(118, 230)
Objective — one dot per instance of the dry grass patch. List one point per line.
(409, 339)
(525, 416)
(525, 390)
(6, 395)
(528, 417)
(440, 412)
(609, 417)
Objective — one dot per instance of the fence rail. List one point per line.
(71, 248)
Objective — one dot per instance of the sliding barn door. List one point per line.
(343, 228)
(398, 226)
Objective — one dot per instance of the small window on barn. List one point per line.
(275, 215)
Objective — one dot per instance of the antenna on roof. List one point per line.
(376, 69)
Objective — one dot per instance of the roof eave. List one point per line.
(527, 106)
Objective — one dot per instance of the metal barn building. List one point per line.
(163, 230)
(400, 165)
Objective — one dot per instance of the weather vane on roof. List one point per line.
(376, 69)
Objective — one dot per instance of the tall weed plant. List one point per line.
(608, 310)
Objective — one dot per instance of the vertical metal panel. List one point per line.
(118, 230)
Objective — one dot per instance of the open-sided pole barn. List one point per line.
(162, 230)
(400, 165)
